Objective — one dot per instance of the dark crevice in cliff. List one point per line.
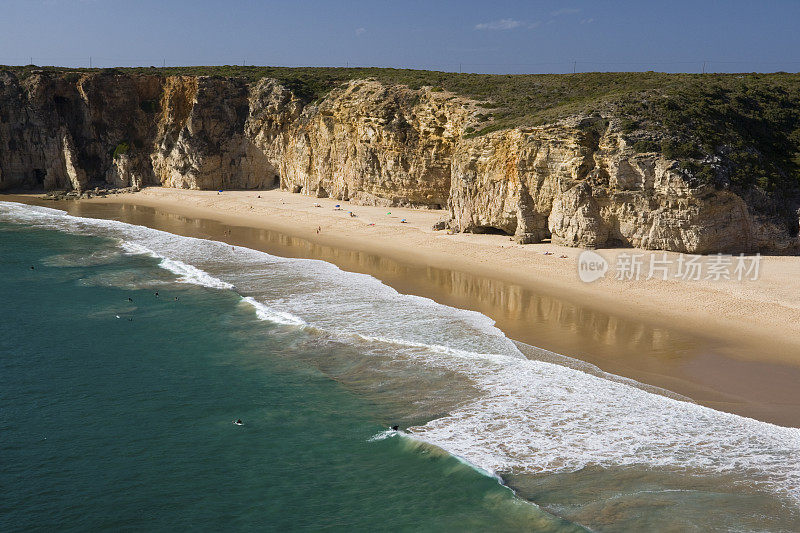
(489, 230)
(577, 181)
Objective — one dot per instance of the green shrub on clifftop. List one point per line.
(737, 129)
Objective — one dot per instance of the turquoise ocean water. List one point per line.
(116, 405)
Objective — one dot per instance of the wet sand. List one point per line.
(733, 347)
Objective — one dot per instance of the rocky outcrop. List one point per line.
(578, 183)
(575, 182)
(201, 141)
(365, 142)
(66, 131)
(507, 181)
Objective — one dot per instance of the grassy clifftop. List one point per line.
(729, 129)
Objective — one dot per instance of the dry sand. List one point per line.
(767, 309)
(734, 345)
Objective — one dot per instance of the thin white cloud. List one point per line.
(587, 21)
(565, 11)
(361, 31)
(505, 24)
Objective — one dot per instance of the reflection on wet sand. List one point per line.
(704, 369)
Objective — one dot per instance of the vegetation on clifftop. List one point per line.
(737, 130)
(734, 130)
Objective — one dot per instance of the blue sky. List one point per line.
(475, 36)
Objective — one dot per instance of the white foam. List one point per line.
(540, 417)
(383, 435)
(278, 317)
(190, 274)
(137, 249)
(186, 273)
(530, 416)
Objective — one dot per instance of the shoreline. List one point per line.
(744, 358)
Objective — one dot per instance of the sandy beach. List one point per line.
(728, 343)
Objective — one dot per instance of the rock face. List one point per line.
(576, 182)
(581, 185)
(66, 131)
(201, 141)
(365, 142)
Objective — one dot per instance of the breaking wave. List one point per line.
(528, 416)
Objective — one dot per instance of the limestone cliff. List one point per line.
(583, 186)
(365, 142)
(67, 131)
(575, 181)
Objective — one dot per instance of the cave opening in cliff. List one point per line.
(489, 230)
(38, 175)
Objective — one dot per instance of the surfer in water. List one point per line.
(239, 422)
(395, 428)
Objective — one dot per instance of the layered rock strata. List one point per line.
(576, 182)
